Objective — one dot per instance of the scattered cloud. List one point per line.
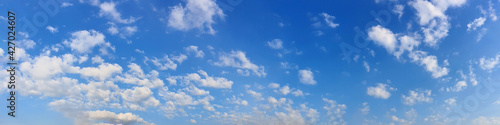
(198, 14)
(417, 96)
(380, 91)
(306, 77)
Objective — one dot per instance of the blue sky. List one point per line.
(254, 62)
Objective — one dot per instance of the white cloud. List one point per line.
(103, 72)
(489, 63)
(192, 121)
(275, 44)
(66, 4)
(52, 29)
(168, 63)
(274, 85)
(380, 91)
(416, 96)
(429, 62)
(450, 101)
(329, 20)
(426, 11)
(461, 85)
(383, 37)
(432, 17)
(399, 9)
(335, 112)
(198, 14)
(84, 41)
(492, 12)
(194, 49)
(97, 59)
(255, 94)
(139, 98)
(113, 118)
(238, 59)
(284, 90)
(208, 81)
(476, 23)
(367, 67)
(135, 75)
(366, 108)
(306, 77)
(108, 9)
(298, 93)
(481, 120)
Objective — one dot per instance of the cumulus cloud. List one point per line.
(108, 9)
(167, 62)
(113, 118)
(461, 85)
(198, 14)
(387, 39)
(139, 98)
(432, 18)
(84, 41)
(417, 96)
(194, 49)
(489, 63)
(52, 29)
(383, 37)
(329, 20)
(306, 77)
(476, 23)
(136, 76)
(275, 44)
(482, 120)
(430, 63)
(238, 59)
(207, 81)
(380, 91)
(335, 112)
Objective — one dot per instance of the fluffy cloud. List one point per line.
(367, 67)
(194, 49)
(366, 108)
(108, 10)
(103, 72)
(430, 63)
(113, 118)
(84, 41)
(306, 77)
(380, 91)
(275, 44)
(432, 17)
(387, 39)
(238, 59)
(461, 85)
(198, 14)
(52, 29)
(489, 63)
(481, 120)
(416, 96)
(383, 37)
(208, 81)
(335, 112)
(139, 98)
(135, 75)
(284, 90)
(476, 23)
(167, 62)
(329, 20)
(274, 85)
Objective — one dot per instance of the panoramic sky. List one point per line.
(283, 62)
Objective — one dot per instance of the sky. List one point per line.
(235, 62)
